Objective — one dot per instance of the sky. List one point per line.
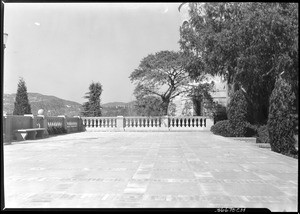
(61, 48)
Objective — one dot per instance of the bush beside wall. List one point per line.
(56, 130)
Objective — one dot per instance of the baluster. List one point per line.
(200, 122)
(128, 122)
(139, 122)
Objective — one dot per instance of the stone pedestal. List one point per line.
(120, 123)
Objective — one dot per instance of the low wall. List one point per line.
(62, 124)
(53, 125)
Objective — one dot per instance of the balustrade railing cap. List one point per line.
(28, 115)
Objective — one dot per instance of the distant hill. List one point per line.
(54, 106)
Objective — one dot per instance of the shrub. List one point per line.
(263, 134)
(56, 130)
(222, 128)
(237, 113)
(280, 120)
(251, 130)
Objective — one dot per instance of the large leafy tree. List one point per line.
(22, 105)
(92, 108)
(162, 75)
(249, 44)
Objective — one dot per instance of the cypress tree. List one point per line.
(280, 119)
(237, 113)
(92, 108)
(22, 105)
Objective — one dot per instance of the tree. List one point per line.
(92, 108)
(237, 113)
(249, 44)
(161, 75)
(22, 105)
(149, 106)
(280, 122)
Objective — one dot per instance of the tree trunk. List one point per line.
(165, 106)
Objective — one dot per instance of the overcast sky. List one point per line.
(60, 48)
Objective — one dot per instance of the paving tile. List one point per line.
(136, 169)
(188, 188)
(252, 189)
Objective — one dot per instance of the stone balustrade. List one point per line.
(189, 123)
(164, 123)
(100, 123)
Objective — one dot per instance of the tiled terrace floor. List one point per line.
(150, 169)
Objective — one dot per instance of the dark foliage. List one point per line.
(263, 134)
(53, 130)
(237, 113)
(222, 128)
(22, 105)
(219, 113)
(92, 108)
(281, 120)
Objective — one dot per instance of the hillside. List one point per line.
(54, 106)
